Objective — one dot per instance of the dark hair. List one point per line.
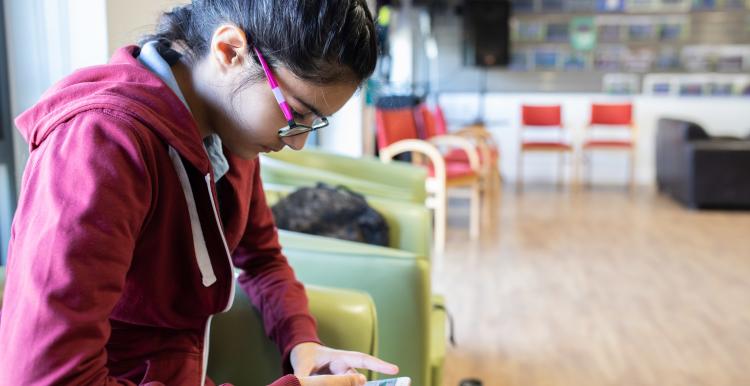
(317, 40)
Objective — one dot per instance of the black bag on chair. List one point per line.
(333, 212)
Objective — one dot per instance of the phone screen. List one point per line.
(403, 381)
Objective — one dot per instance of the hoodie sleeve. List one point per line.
(270, 282)
(84, 197)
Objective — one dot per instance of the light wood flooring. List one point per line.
(599, 288)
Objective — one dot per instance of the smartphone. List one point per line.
(403, 381)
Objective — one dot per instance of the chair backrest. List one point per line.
(398, 281)
(433, 121)
(394, 125)
(541, 116)
(241, 353)
(620, 114)
(441, 124)
(366, 175)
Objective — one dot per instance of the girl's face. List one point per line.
(248, 119)
(253, 117)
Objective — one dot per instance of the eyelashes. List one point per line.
(298, 115)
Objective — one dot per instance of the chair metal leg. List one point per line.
(575, 172)
(588, 169)
(519, 172)
(560, 171)
(475, 211)
(441, 220)
(632, 170)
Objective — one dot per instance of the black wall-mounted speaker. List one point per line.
(486, 32)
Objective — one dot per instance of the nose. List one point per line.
(296, 142)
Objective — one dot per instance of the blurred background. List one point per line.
(612, 143)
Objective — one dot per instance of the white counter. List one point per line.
(718, 115)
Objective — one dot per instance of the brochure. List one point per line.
(552, 5)
(673, 30)
(580, 5)
(644, 30)
(610, 33)
(558, 32)
(530, 31)
(704, 5)
(642, 5)
(582, 33)
(546, 58)
(523, 6)
(610, 5)
(577, 61)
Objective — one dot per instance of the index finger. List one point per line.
(364, 361)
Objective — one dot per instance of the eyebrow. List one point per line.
(310, 107)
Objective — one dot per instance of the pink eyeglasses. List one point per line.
(294, 128)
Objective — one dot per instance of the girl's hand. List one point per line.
(314, 359)
(333, 380)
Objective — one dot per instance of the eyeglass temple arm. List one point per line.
(275, 88)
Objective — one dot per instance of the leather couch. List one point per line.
(699, 170)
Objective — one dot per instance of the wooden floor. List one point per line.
(599, 288)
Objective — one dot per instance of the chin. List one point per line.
(250, 155)
(245, 154)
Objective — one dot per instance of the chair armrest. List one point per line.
(347, 319)
(461, 143)
(417, 146)
(477, 133)
(285, 173)
(438, 349)
(242, 354)
(483, 139)
(403, 176)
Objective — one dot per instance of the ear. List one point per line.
(229, 47)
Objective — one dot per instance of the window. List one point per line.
(7, 171)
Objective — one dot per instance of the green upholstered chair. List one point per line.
(411, 330)
(241, 354)
(408, 218)
(369, 176)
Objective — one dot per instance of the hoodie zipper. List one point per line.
(199, 244)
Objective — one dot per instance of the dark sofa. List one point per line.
(702, 171)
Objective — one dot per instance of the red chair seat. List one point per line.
(454, 170)
(458, 155)
(608, 144)
(559, 146)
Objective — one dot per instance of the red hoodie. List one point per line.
(122, 247)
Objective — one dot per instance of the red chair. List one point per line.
(546, 118)
(610, 116)
(434, 124)
(397, 133)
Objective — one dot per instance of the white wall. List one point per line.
(719, 116)
(344, 134)
(128, 20)
(48, 39)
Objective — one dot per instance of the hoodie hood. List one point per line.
(125, 86)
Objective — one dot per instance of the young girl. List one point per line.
(142, 194)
